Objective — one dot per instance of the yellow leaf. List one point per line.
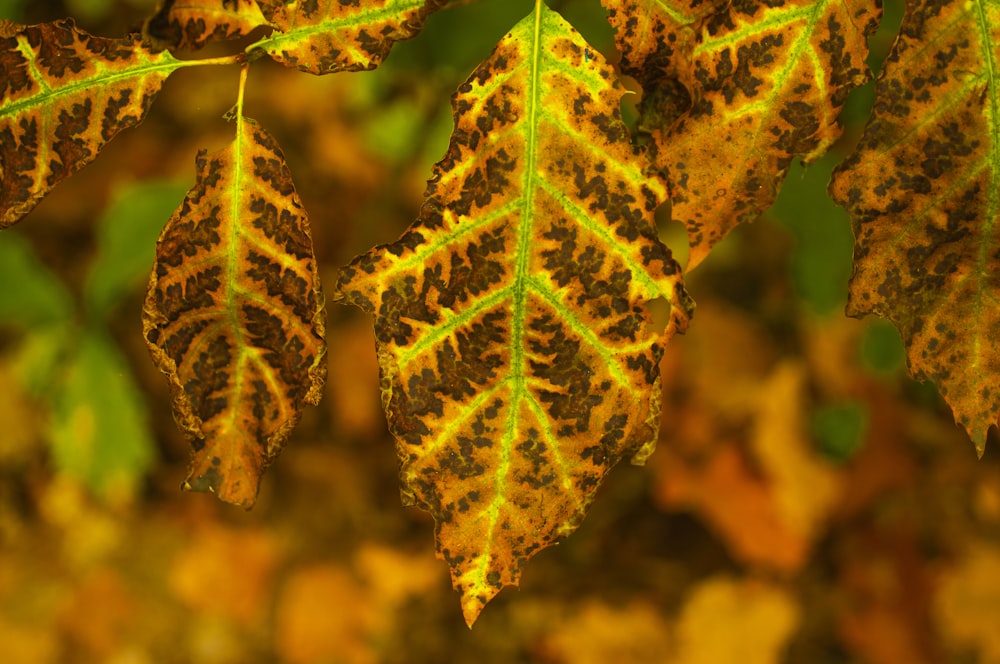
(923, 192)
(234, 315)
(730, 620)
(63, 95)
(519, 362)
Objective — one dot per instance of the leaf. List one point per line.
(227, 571)
(63, 95)
(322, 38)
(728, 620)
(660, 64)
(234, 315)
(99, 430)
(518, 360)
(193, 23)
(923, 192)
(770, 79)
(126, 235)
(967, 600)
(39, 299)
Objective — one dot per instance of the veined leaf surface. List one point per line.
(656, 39)
(518, 360)
(194, 23)
(326, 37)
(63, 95)
(923, 192)
(234, 315)
(770, 79)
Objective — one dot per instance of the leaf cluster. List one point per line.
(518, 352)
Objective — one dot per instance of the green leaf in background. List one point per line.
(821, 263)
(126, 237)
(882, 351)
(12, 9)
(30, 295)
(99, 432)
(89, 10)
(839, 429)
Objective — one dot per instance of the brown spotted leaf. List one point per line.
(656, 39)
(770, 78)
(923, 192)
(518, 360)
(332, 36)
(193, 23)
(63, 95)
(234, 315)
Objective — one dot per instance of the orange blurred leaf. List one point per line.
(731, 620)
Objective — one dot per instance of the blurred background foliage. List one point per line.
(807, 503)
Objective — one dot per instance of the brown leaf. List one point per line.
(656, 39)
(63, 95)
(193, 23)
(234, 315)
(922, 193)
(769, 79)
(519, 361)
(322, 38)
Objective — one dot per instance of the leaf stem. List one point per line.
(236, 58)
(244, 72)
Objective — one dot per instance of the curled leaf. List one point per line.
(234, 315)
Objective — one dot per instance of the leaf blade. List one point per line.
(193, 23)
(63, 95)
(766, 82)
(922, 191)
(234, 315)
(336, 37)
(518, 361)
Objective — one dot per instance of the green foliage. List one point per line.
(97, 426)
(821, 262)
(839, 429)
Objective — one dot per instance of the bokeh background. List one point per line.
(807, 503)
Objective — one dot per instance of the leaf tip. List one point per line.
(234, 485)
(472, 606)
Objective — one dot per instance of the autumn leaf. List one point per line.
(63, 95)
(322, 38)
(193, 23)
(518, 360)
(769, 80)
(728, 620)
(234, 315)
(923, 192)
(656, 39)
